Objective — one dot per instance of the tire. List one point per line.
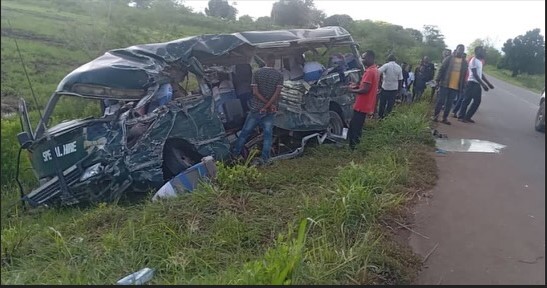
(540, 118)
(176, 158)
(336, 124)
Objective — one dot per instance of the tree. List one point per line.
(221, 9)
(263, 22)
(525, 53)
(300, 13)
(169, 4)
(245, 19)
(343, 20)
(416, 34)
(433, 37)
(317, 17)
(142, 3)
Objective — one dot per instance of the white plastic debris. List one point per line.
(138, 278)
(345, 133)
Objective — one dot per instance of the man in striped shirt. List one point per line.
(267, 84)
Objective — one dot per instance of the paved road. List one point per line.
(487, 212)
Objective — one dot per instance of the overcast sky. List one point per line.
(459, 21)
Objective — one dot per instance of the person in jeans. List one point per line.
(365, 100)
(451, 79)
(267, 84)
(392, 75)
(473, 91)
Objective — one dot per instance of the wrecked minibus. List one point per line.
(140, 140)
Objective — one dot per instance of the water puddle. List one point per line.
(468, 145)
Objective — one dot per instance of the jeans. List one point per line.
(472, 92)
(446, 97)
(356, 128)
(266, 122)
(387, 100)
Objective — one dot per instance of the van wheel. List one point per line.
(177, 158)
(336, 124)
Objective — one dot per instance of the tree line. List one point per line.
(522, 54)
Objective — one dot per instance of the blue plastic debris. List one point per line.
(187, 180)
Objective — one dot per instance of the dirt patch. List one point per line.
(27, 35)
(8, 105)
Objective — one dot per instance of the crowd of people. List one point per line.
(459, 83)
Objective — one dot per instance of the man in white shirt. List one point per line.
(473, 91)
(392, 82)
(409, 83)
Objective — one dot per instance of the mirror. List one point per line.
(24, 139)
(25, 121)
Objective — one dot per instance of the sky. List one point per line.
(459, 21)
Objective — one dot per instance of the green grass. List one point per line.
(534, 83)
(311, 220)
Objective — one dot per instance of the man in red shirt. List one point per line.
(365, 100)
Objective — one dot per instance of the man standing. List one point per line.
(365, 100)
(473, 91)
(423, 74)
(435, 90)
(461, 94)
(392, 75)
(267, 84)
(450, 79)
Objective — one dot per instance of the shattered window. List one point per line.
(70, 107)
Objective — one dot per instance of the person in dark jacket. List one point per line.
(451, 80)
(423, 74)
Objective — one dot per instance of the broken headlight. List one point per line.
(91, 171)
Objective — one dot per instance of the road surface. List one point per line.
(486, 215)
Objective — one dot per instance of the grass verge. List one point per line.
(534, 83)
(313, 220)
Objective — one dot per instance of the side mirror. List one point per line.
(24, 139)
(25, 121)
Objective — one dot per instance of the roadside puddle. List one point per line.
(468, 145)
